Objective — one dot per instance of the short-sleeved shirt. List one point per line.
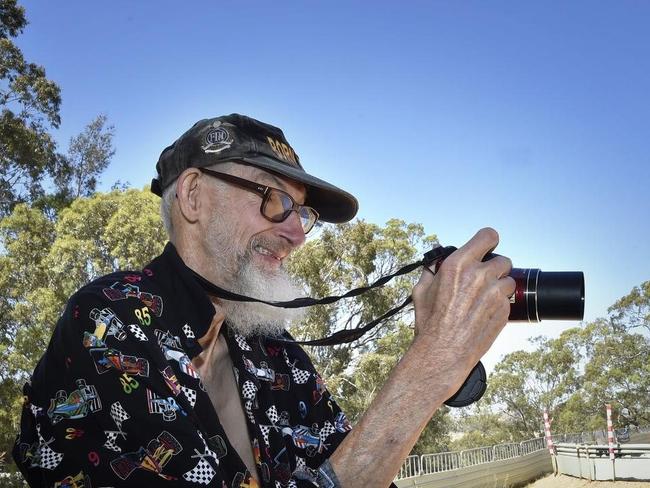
(116, 401)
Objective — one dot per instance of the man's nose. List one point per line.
(291, 229)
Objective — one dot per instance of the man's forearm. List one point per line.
(458, 315)
(374, 450)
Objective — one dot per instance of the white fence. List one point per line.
(587, 455)
(592, 462)
(503, 473)
(505, 465)
(447, 461)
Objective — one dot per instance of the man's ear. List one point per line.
(188, 192)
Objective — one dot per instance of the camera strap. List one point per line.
(475, 384)
(433, 257)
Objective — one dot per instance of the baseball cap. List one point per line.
(241, 139)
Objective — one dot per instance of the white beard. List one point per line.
(235, 270)
(251, 318)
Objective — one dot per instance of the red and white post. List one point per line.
(549, 441)
(547, 432)
(610, 431)
(610, 437)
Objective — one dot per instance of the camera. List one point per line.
(547, 295)
(539, 295)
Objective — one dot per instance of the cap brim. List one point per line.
(332, 204)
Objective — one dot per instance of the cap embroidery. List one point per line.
(217, 139)
(283, 151)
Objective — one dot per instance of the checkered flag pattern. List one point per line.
(249, 390)
(300, 464)
(248, 406)
(137, 332)
(272, 414)
(36, 411)
(241, 342)
(202, 473)
(304, 472)
(208, 451)
(327, 430)
(118, 414)
(300, 376)
(189, 333)
(189, 394)
(49, 459)
(265, 429)
(111, 437)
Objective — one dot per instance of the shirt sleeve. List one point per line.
(104, 408)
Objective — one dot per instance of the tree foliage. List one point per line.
(89, 154)
(480, 427)
(574, 375)
(633, 310)
(349, 256)
(29, 107)
(45, 261)
(525, 383)
(618, 372)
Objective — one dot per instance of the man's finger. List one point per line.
(507, 285)
(484, 241)
(499, 266)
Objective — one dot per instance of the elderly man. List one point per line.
(151, 379)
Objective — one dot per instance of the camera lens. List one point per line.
(547, 295)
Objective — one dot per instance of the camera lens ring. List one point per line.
(530, 294)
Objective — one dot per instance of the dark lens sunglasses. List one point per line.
(276, 206)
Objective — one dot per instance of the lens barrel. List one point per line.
(547, 295)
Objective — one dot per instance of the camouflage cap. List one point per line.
(241, 139)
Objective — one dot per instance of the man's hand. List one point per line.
(460, 312)
(458, 315)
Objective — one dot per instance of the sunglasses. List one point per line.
(276, 206)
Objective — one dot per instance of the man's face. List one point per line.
(247, 251)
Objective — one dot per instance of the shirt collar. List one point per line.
(186, 296)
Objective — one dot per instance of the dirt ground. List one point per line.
(562, 481)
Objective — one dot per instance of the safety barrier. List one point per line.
(410, 468)
(496, 474)
(600, 436)
(447, 461)
(593, 462)
(443, 461)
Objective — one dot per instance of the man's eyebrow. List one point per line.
(271, 178)
(275, 182)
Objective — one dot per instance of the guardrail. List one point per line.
(599, 436)
(447, 461)
(410, 468)
(427, 465)
(631, 461)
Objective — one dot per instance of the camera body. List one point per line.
(539, 295)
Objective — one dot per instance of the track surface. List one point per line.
(562, 481)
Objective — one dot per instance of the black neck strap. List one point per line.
(475, 384)
(432, 257)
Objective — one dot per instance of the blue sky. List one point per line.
(530, 117)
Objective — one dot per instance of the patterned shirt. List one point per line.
(116, 401)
